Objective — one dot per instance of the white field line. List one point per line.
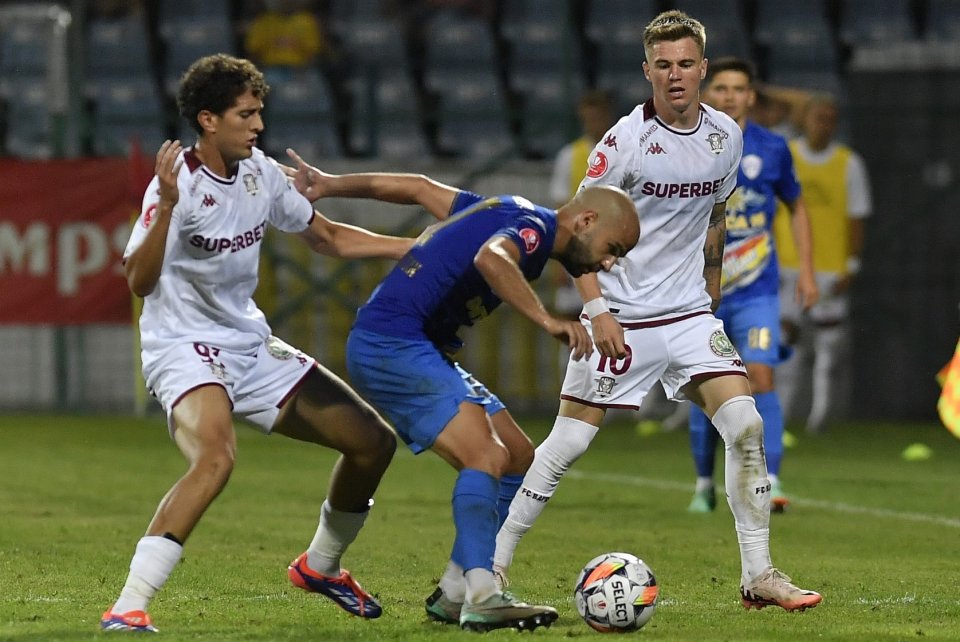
(836, 507)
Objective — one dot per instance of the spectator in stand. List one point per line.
(287, 39)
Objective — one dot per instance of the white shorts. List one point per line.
(830, 308)
(675, 351)
(258, 383)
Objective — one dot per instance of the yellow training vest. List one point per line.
(578, 162)
(825, 194)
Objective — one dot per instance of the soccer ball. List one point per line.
(616, 592)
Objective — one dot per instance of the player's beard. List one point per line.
(576, 257)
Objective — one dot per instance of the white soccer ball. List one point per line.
(616, 592)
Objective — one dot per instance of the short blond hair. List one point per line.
(671, 26)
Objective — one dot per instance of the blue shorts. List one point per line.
(413, 384)
(754, 327)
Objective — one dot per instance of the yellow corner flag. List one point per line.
(949, 403)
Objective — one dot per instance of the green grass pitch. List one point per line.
(877, 535)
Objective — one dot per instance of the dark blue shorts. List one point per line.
(413, 384)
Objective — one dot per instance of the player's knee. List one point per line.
(216, 462)
(521, 458)
(739, 423)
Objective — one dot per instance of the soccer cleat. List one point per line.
(778, 499)
(442, 609)
(773, 588)
(704, 501)
(500, 577)
(504, 611)
(345, 591)
(136, 621)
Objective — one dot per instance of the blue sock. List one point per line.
(768, 405)
(509, 485)
(703, 442)
(475, 518)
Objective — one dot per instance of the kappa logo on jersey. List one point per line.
(611, 141)
(716, 143)
(598, 165)
(250, 182)
(208, 201)
(531, 239)
(149, 214)
(655, 148)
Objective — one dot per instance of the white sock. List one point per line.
(336, 531)
(480, 585)
(453, 583)
(746, 481)
(773, 478)
(152, 563)
(704, 483)
(568, 439)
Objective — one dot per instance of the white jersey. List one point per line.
(674, 177)
(212, 255)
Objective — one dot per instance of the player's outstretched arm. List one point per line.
(404, 189)
(351, 242)
(807, 293)
(498, 263)
(142, 267)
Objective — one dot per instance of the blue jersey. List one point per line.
(766, 174)
(435, 289)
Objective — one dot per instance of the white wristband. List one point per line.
(853, 265)
(595, 307)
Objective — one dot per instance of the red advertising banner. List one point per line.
(63, 227)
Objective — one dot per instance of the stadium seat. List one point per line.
(780, 22)
(943, 20)
(177, 9)
(301, 104)
(876, 21)
(117, 48)
(187, 39)
(456, 45)
(23, 49)
(29, 124)
(549, 119)
(126, 110)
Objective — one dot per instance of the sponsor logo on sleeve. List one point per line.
(531, 239)
(149, 215)
(598, 165)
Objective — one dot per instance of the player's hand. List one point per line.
(807, 293)
(167, 169)
(307, 180)
(574, 334)
(842, 284)
(608, 336)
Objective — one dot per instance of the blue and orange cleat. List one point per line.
(345, 591)
(136, 621)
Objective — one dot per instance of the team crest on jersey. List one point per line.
(751, 166)
(149, 214)
(716, 143)
(598, 165)
(531, 239)
(721, 345)
(278, 349)
(605, 386)
(250, 182)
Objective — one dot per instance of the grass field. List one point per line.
(877, 535)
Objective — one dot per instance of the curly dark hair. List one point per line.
(213, 83)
